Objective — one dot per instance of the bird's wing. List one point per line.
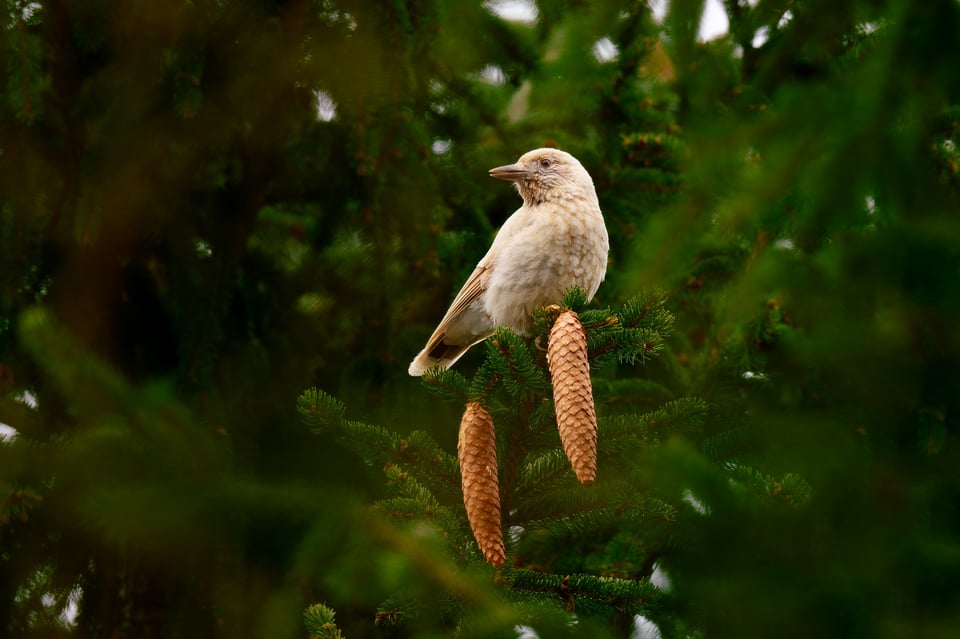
(476, 284)
(471, 291)
(467, 323)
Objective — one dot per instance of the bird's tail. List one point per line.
(437, 353)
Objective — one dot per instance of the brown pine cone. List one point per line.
(477, 451)
(573, 394)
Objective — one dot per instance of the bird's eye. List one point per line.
(545, 163)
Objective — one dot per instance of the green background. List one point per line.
(186, 244)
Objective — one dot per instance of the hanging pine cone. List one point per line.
(477, 451)
(573, 394)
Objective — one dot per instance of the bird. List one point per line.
(555, 241)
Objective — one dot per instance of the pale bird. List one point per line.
(555, 241)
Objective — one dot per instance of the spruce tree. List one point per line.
(583, 549)
(208, 206)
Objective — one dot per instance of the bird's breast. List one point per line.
(556, 247)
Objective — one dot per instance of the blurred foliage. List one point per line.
(570, 548)
(206, 206)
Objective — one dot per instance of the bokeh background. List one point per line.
(207, 207)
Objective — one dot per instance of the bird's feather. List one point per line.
(456, 332)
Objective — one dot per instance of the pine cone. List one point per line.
(573, 394)
(477, 450)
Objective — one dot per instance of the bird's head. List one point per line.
(543, 175)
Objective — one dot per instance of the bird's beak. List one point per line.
(509, 172)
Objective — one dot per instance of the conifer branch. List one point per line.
(416, 498)
(560, 511)
(418, 453)
(515, 364)
(543, 471)
(589, 594)
(485, 380)
(448, 384)
(396, 609)
(319, 621)
(791, 489)
(728, 444)
(647, 311)
(623, 432)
